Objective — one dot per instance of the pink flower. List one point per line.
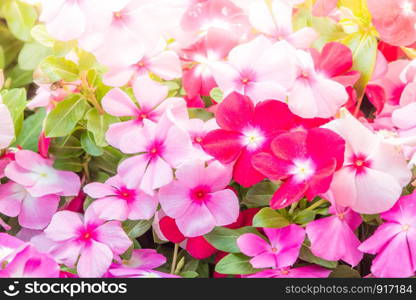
(333, 238)
(305, 160)
(203, 15)
(95, 242)
(127, 31)
(394, 20)
(151, 97)
(282, 251)
(33, 212)
(314, 93)
(198, 130)
(141, 265)
(246, 130)
(9, 246)
(6, 126)
(300, 272)
(118, 201)
(255, 69)
(212, 47)
(67, 19)
(374, 172)
(394, 241)
(198, 200)
(161, 62)
(39, 178)
(163, 146)
(28, 262)
(274, 19)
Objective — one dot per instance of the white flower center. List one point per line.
(407, 8)
(253, 138)
(302, 169)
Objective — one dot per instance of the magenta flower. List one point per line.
(369, 163)
(333, 238)
(39, 178)
(87, 241)
(245, 131)
(141, 265)
(254, 70)
(151, 97)
(312, 271)
(33, 212)
(163, 146)
(28, 262)
(394, 242)
(198, 200)
(117, 201)
(281, 251)
(305, 160)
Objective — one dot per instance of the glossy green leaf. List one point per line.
(59, 68)
(269, 218)
(62, 120)
(20, 17)
(235, 264)
(32, 127)
(225, 239)
(31, 55)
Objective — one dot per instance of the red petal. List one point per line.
(335, 59)
(199, 248)
(270, 166)
(244, 172)
(223, 145)
(273, 116)
(235, 112)
(170, 230)
(290, 145)
(288, 193)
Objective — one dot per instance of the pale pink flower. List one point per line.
(159, 61)
(151, 97)
(37, 175)
(87, 241)
(274, 19)
(6, 126)
(198, 200)
(118, 201)
(314, 94)
(163, 146)
(32, 212)
(281, 251)
(374, 172)
(255, 69)
(312, 271)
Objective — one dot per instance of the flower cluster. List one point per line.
(207, 138)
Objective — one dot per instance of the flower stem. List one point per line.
(175, 258)
(316, 204)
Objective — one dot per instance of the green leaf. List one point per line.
(40, 34)
(63, 48)
(304, 217)
(88, 144)
(11, 46)
(62, 120)
(343, 271)
(20, 17)
(269, 218)
(225, 239)
(98, 124)
(136, 229)
(19, 78)
(66, 147)
(308, 256)
(59, 68)
(260, 194)
(189, 274)
(108, 162)
(235, 264)
(217, 94)
(2, 58)
(364, 52)
(32, 127)
(31, 55)
(68, 164)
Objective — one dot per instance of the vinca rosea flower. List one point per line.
(207, 138)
